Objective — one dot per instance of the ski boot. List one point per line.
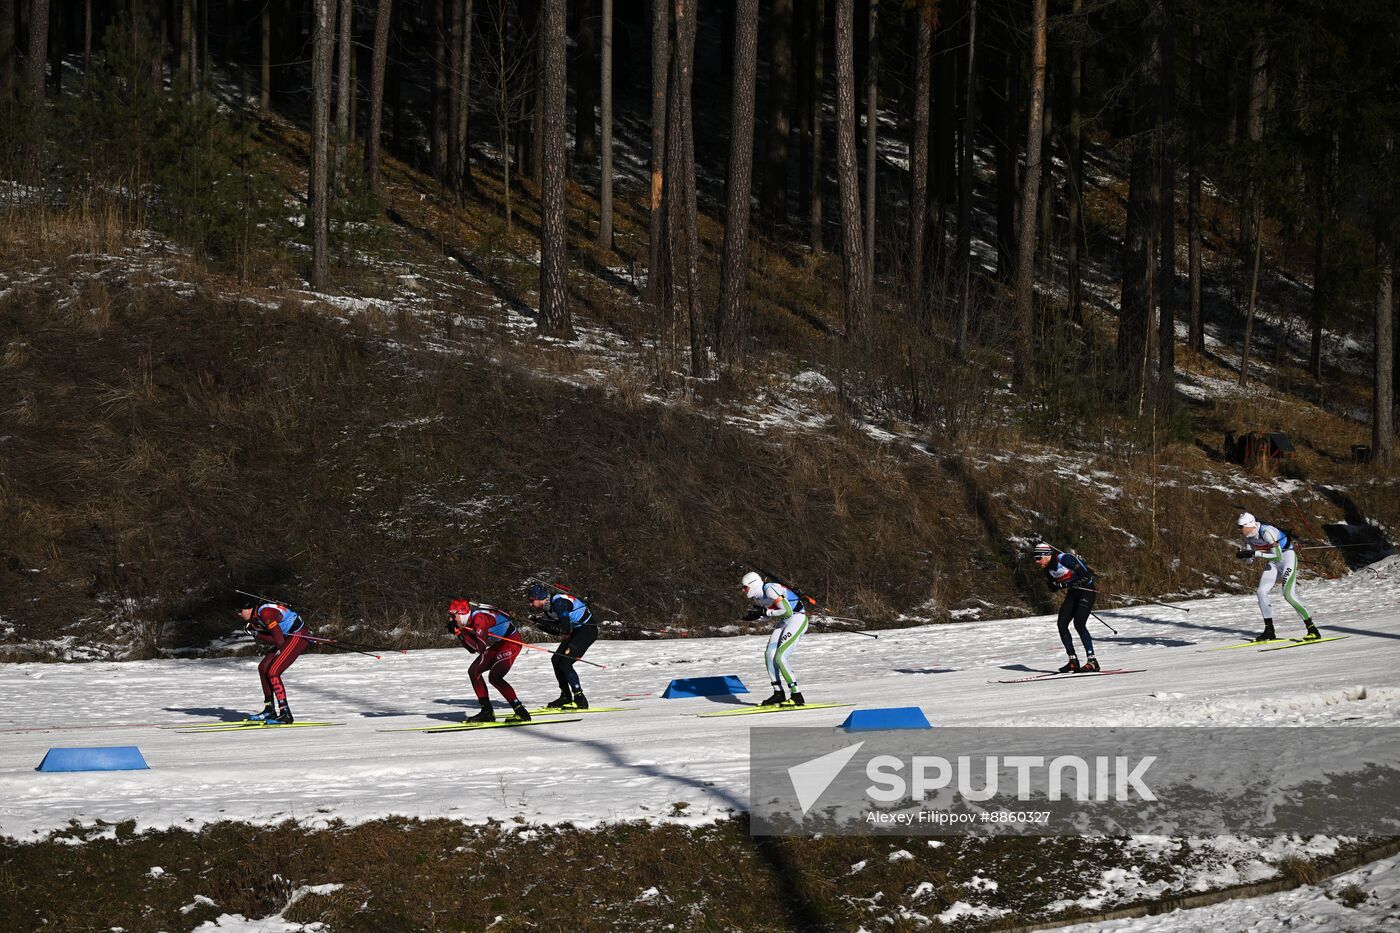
(487, 714)
(283, 717)
(1313, 634)
(519, 712)
(795, 699)
(1091, 666)
(579, 701)
(562, 702)
(1268, 633)
(776, 698)
(1071, 667)
(269, 713)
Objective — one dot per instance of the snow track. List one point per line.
(642, 763)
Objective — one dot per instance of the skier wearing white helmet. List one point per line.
(783, 608)
(1276, 548)
(1065, 571)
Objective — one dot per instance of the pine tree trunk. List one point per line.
(38, 51)
(1197, 336)
(657, 280)
(1046, 210)
(87, 34)
(462, 170)
(965, 176)
(686, 16)
(872, 128)
(1074, 171)
(924, 11)
(733, 315)
(1254, 125)
(438, 130)
(343, 100)
(1030, 194)
(1319, 300)
(1166, 291)
(605, 170)
(1382, 395)
(554, 307)
(802, 42)
(1144, 211)
(943, 149)
(58, 32)
(1007, 150)
(265, 73)
(383, 16)
(322, 44)
(857, 286)
(7, 50)
(585, 89)
(775, 152)
(186, 41)
(817, 10)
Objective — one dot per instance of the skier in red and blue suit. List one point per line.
(282, 629)
(1069, 573)
(489, 634)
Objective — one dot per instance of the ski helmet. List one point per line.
(1246, 520)
(753, 585)
(1043, 550)
(537, 591)
(459, 607)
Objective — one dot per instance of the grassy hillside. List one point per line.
(175, 428)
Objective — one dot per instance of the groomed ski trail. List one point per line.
(639, 764)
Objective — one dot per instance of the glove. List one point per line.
(254, 628)
(753, 615)
(1057, 585)
(1244, 554)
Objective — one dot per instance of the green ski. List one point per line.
(473, 726)
(1302, 642)
(561, 710)
(1249, 644)
(784, 708)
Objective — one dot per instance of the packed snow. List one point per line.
(637, 763)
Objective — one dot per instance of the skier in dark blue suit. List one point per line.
(1067, 572)
(569, 618)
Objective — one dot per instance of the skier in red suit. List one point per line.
(491, 636)
(281, 628)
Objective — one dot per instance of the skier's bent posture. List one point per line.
(1276, 548)
(783, 608)
(569, 618)
(281, 628)
(1067, 572)
(491, 636)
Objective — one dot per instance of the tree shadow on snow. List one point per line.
(803, 912)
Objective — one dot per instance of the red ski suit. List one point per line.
(495, 643)
(266, 625)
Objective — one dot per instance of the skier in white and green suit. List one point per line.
(783, 608)
(1276, 548)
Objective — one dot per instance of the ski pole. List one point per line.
(269, 599)
(842, 628)
(335, 644)
(559, 587)
(1322, 547)
(1100, 618)
(1141, 599)
(525, 644)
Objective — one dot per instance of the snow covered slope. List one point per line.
(647, 761)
